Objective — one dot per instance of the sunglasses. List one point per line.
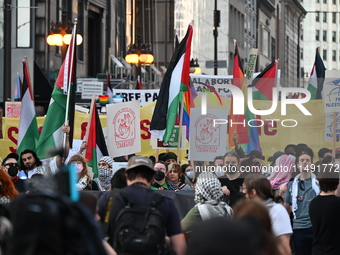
(11, 164)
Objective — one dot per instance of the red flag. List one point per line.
(266, 80)
(237, 122)
(139, 83)
(96, 146)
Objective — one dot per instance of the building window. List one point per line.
(325, 1)
(317, 35)
(301, 53)
(334, 36)
(334, 1)
(317, 17)
(265, 42)
(334, 17)
(324, 55)
(325, 17)
(318, 1)
(334, 55)
(23, 23)
(324, 36)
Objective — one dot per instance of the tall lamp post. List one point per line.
(139, 53)
(60, 35)
(217, 18)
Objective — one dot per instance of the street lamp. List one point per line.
(60, 35)
(195, 67)
(139, 53)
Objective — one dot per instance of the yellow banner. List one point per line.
(10, 127)
(274, 136)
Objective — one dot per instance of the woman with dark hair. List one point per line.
(259, 188)
(174, 175)
(7, 189)
(85, 182)
(188, 175)
(258, 213)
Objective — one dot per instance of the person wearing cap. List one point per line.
(11, 167)
(322, 154)
(105, 173)
(139, 174)
(170, 157)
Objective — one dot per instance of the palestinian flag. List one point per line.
(317, 77)
(28, 128)
(264, 83)
(238, 80)
(62, 102)
(96, 146)
(262, 90)
(176, 79)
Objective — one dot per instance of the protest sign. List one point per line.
(123, 128)
(206, 139)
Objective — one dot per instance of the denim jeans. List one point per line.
(302, 241)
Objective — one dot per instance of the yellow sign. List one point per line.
(274, 136)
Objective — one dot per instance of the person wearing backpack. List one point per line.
(209, 204)
(140, 218)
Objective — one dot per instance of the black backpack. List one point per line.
(49, 223)
(139, 229)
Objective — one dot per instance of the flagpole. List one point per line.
(180, 128)
(70, 77)
(89, 121)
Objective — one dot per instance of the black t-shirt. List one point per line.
(235, 188)
(21, 185)
(140, 195)
(324, 213)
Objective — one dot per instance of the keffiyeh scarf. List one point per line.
(104, 177)
(295, 188)
(208, 188)
(82, 183)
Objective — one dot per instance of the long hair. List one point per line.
(8, 189)
(254, 210)
(260, 185)
(80, 158)
(37, 160)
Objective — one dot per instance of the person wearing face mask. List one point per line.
(233, 180)
(160, 181)
(84, 180)
(188, 175)
(7, 189)
(11, 167)
(105, 173)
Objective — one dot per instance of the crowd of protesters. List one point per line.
(240, 203)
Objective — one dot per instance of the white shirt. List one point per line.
(280, 220)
